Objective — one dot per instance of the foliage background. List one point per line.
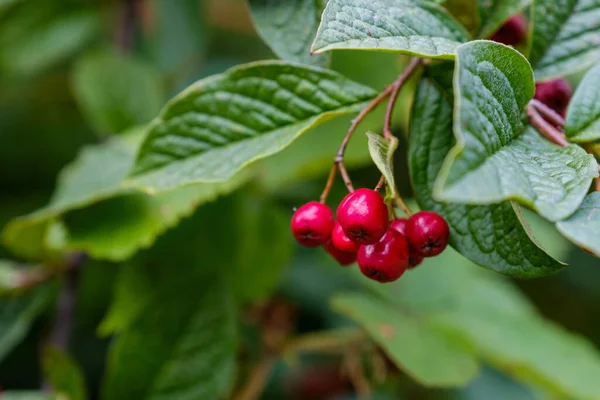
(73, 75)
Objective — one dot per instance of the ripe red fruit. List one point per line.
(341, 241)
(363, 216)
(414, 259)
(556, 94)
(312, 224)
(427, 233)
(344, 258)
(512, 32)
(386, 260)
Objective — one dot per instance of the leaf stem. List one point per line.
(545, 128)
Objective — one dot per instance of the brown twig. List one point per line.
(545, 128)
(396, 87)
(125, 36)
(549, 114)
(356, 374)
(258, 378)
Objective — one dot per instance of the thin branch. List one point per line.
(125, 39)
(545, 128)
(396, 87)
(258, 378)
(357, 375)
(549, 114)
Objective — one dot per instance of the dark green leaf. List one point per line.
(63, 374)
(430, 355)
(289, 27)
(583, 227)
(494, 13)
(406, 26)
(495, 157)
(495, 236)
(221, 124)
(583, 115)
(565, 38)
(17, 314)
(181, 346)
(382, 153)
(116, 92)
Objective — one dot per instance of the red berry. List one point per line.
(344, 258)
(312, 224)
(341, 241)
(556, 94)
(427, 233)
(363, 216)
(414, 259)
(512, 32)
(386, 260)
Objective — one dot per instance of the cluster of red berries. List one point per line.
(363, 233)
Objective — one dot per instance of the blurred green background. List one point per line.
(57, 55)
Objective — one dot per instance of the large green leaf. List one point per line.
(289, 27)
(430, 355)
(221, 124)
(583, 227)
(182, 345)
(496, 158)
(583, 114)
(406, 26)
(494, 13)
(382, 153)
(501, 325)
(495, 236)
(63, 374)
(565, 37)
(17, 314)
(96, 213)
(116, 92)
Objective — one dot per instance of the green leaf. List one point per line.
(98, 214)
(495, 236)
(583, 114)
(494, 13)
(565, 37)
(116, 92)
(583, 227)
(289, 27)
(39, 36)
(382, 153)
(406, 26)
(63, 374)
(495, 157)
(17, 315)
(430, 355)
(181, 346)
(221, 124)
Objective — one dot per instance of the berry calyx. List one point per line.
(512, 32)
(427, 233)
(344, 258)
(414, 258)
(386, 260)
(556, 94)
(363, 216)
(312, 224)
(341, 241)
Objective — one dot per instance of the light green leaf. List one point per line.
(98, 214)
(405, 26)
(583, 114)
(430, 355)
(565, 38)
(382, 153)
(182, 345)
(116, 92)
(289, 27)
(495, 236)
(63, 374)
(583, 227)
(494, 13)
(495, 158)
(17, 314)
(221, 124)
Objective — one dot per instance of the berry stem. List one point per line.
(329, 184)
(549, 114)
(380, 183)
(396, 86)
(545, 128)
(345, 177)
(403, 206)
